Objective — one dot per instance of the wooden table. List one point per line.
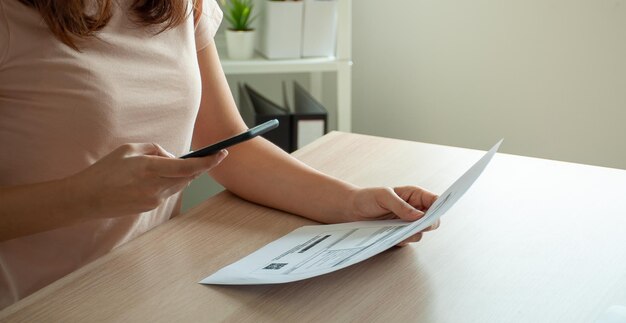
(532, 241)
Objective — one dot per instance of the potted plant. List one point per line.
(240, 35)
(281, 29)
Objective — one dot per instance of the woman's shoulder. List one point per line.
(208, 21)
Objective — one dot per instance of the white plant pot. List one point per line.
(281, 29)
(319, 34)
(240, 44)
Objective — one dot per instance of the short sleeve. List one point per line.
(208, 23)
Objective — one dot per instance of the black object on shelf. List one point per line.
(309, 120)
(256, 109)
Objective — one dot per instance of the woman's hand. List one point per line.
(136, 178)
(407, 203)
(133, 178)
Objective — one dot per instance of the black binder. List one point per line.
(309, 120)
(256, 109)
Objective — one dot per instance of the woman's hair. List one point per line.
(68, 19)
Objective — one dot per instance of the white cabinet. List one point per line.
(340, 65)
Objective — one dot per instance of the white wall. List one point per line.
(547, 75)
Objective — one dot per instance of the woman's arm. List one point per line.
(133, 178)
(263, 173)
(33, 208)
(258, 170)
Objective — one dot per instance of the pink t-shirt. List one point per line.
(62, 110)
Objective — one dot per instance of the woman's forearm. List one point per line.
(257, 170)
(264, 174)
(34, 208)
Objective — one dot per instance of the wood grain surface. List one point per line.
(532, 241)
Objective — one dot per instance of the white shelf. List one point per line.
(341, 65)
(260, 65)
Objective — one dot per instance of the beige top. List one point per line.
(61, 110)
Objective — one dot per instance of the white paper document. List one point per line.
(320, 249)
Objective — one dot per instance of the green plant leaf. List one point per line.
(238, 13)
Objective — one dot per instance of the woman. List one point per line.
(96, 100)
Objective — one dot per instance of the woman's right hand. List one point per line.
(136, 178)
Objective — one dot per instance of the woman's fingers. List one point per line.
(175, 167)
(414, 238)
(138, 177)
(408, 203)
(175, 185)
(416, 196)
(434, 226)
(389, 200)
(153, 159)
(138, 149)
(418, 236)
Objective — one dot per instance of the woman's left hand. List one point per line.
(381, 203)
